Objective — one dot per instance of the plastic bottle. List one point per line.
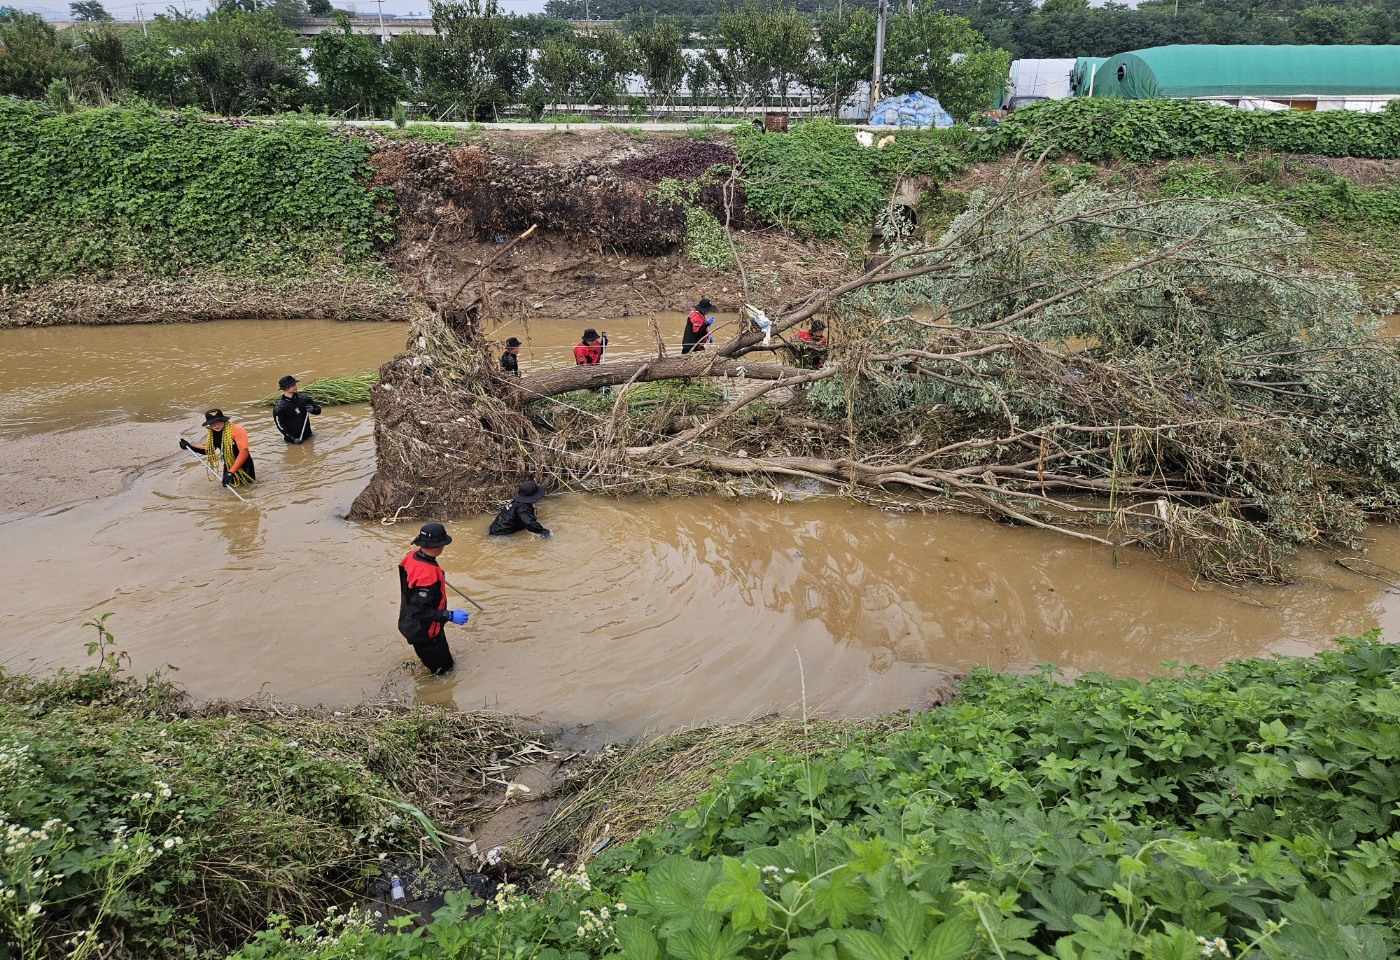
(395, 888)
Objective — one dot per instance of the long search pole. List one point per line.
(459, 593)
(211, 470)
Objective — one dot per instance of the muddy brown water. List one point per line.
(637, 616)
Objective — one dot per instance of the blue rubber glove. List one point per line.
(458, 617)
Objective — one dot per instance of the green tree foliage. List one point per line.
(89, 10)
(239, 62)
(473, 63)
(844, 56)
(105, 192)
(660, 62)
(587, 68)
(287, 11)
(944, 57)
(766, 48)
(34, 55)
(560, 65)
(611, 59)
(107, 50)
(352, 75)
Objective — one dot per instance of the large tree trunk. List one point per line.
(644, 370)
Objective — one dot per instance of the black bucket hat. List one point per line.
(529, 492)
(589, 334)
(287, 381)
(512, 343)
(212, 415)
(432, 535)
(704, 306)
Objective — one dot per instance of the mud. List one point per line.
(602, 246)
(637, 616)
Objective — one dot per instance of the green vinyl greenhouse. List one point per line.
(1221, 71)
(1083, 75)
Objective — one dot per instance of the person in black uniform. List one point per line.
(519, 514)
(290, 413)
(510, 364)
(423, 599)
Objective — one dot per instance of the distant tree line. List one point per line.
(1071, 28)
(478, 62)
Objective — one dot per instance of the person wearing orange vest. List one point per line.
(423, 599)
(225, 444)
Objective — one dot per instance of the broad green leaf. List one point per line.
(841, 896)
(635, 938)
(707, 939)
(740, 894)
(864, 945)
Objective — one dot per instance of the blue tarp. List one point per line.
(910, 110)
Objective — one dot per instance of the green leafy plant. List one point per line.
(1243, 812)
(1141, 130)
(104, 192)
(818, 179)
(705, 239)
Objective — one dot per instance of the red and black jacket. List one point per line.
(422, 598)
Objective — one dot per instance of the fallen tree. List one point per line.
(1123, 370)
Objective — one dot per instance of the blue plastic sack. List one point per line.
(910, 110)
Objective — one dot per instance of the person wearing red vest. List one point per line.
(423, 599)
(697, 327)
(590, 350)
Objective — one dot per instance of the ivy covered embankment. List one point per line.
(1246, 812)
(115, 215)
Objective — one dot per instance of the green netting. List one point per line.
(1217, 70)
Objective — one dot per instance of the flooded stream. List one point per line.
(636, 616)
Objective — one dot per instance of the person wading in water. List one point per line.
(519, 514)
(510, 363)
(225, 445)
(423, 599)
(589, 350)
(291, 412)
(697, 327)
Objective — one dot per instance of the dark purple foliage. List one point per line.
(684, 163)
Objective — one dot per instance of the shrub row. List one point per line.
(1141, 130)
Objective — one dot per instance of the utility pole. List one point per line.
(142, 21)
(383, 36)
(879, 53)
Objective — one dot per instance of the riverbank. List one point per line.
(302, 220)
(1030, 815)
